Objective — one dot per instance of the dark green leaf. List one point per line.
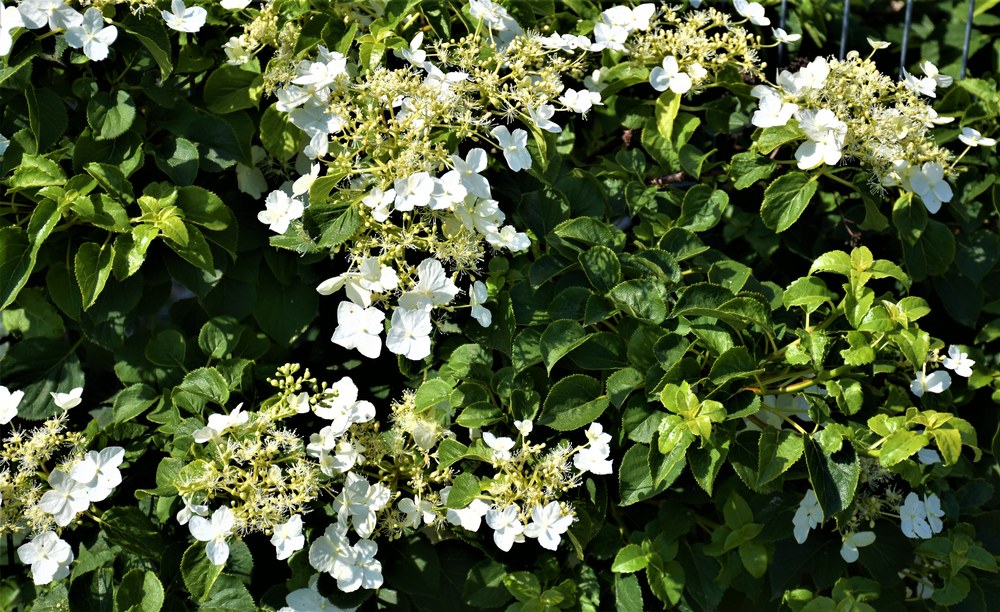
(573, 402)
(785, 199)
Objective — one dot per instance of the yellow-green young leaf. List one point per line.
(196, 251)
(36, 171)
(111, 179)
(130, 249)
(204, 208)
(808, 293)
(631, 558)
(92, 265)
(901, 445)
(665, 468)
(785, 199)
(949, 442)
(754, 558)
(667, 106)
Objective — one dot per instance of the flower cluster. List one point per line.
(87, 31)
(848, 109)
(939, 381)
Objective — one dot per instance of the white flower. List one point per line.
(469, 169)
(924, 86)
(470, 517)
(854, 541)
(310, 600)
(214, 532)
(359, 501)
(8, 404)
(913, 518)
(501, 446)
(509, 238)
(542, 116)
(513, 147)
(302, 184)
(813, 76)
(366, 570)
(93, 35)
(772, 110)
(98, 472)
(417, 510)
(593, 459)
(929, 183)
(785, 37)
(932, 507)
(826, 135)
(808, 516)
(66, 499)
(596, 436)
(237, 52)
(433, 288)
(371, 277)
(506, 525)
(359, 328)
(288, 537)
(928, 456)
(414, 190)
(409, 334)
(249, 179)
(935, 382)
(48, 555)
(184, 19)
(189, 510)
(218, 423)
(752, 11)
(524, 427)
(280, 210)
(68, 400)
(630, 19)
(379, 202)
(878, 44)
(332, 553)
(234, 5)
(340, 406)
(608, 36)
(56, 13)
(958, 362)
(477, 297)
(942, 80)
(973, 138)
(414, 54)
(548, 523)
(669, 76)
(580, 101)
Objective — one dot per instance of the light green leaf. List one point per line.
(630, 558)
(785, 199)
(464, 489)
(92, 265)
(36, 171)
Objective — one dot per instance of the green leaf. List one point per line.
(167, 348)
(203, 208)
(110, 117)
(573, 402)
(602, 267)
(667, 106)
(932, 253)
(430, 394)
(834, 476)
(16, 263)
(219, 337)
(901, 445)
(641, 299)
(200, 386)
(342, 229)
(484, 587)
(150, 32)
(785, 199)
(139, 591)
(232, 88)
(735, 364)
(112, 180)
(628, 594)
(808, 293)
(92, 265)
(748, 167)
(130, 528)
(706, 461)
(133, 401)
(702, 208)
(559, 339)
(278, 135)
(47, 116)
(36, 171)
(178, 159)
(621, 383)
(198, 572)
(464, 489)
(194, 250)
(635, 480)
(779, 450)
(773, 137)
(630, 558)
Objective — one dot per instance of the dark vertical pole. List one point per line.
(843, 28)
(908, 20)
(781, 24)
(968, 38)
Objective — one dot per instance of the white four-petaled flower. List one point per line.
(854, 541)
(8, 404)
(935, 382)
(214, 533)
(808, 516)
(668, 75)
(359, 328)
(98, 472)
(93, 35)
(68, 400)
(973, 138)
(287, 537)
(752, 11)
(48, 555)
(183, 18)
(513, 145)
(280, 209)
(547, 525)
(958, 362)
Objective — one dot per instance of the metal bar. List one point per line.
(843, 28)
(907, 22)
(968, 38)
(781, 24)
